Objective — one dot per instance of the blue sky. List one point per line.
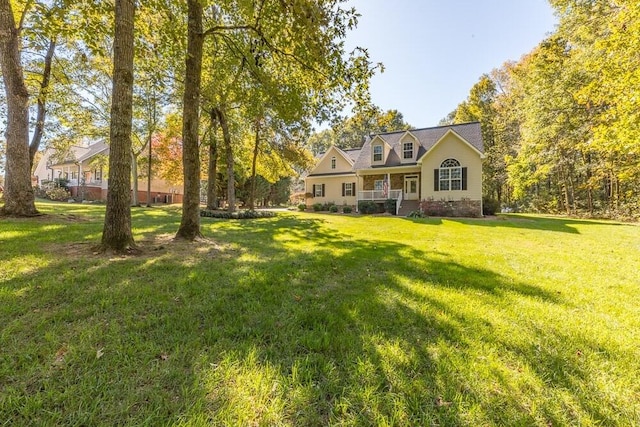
(434, 51)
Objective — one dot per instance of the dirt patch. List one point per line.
(153, 247)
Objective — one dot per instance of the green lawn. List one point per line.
(317, 319)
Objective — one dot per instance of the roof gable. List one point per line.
(443, 137)
(344, 161)
(470, 133)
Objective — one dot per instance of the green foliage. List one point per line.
(245, 214)
(302, 207)
(367, 207)
(317, 207)
(390, 206)
(416, 214)
(347, 209)
(58, 194)
(333, 208)
(490, 206)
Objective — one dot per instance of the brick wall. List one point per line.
(452, 208)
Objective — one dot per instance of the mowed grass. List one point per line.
(309, 319)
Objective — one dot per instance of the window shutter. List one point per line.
(343, 189)
(322, 190)
(313, 193)
(464, 178)
(353, 189)
(436, 178)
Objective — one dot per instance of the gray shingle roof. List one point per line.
(427, 137)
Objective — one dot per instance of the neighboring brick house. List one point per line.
(85, 170)
(437, 169)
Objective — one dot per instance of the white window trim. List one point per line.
(333, 162)
(375, 185)
(318, 191)
(349, 191)
(449, 173)
(405, 151)
(381, 153)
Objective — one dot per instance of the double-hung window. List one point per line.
(333, 163)
(377, 153)
(407, 151)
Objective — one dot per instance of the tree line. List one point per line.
(561, 125)
(215, 83)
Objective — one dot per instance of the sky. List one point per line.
(434, 51)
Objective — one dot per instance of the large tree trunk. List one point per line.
(116, 234)
(149, 172)
(134, 178)
(256, 146)
(42, 97)
(18, 192)
(212, 190)
(190, 224)
(231, 182)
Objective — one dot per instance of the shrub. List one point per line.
(489, 206)
(416, 214)
(333, 208)
(302, 207)
(390, 206)
(59, 194)
(327, 206)
(346, 209)
(367, 207)
(317, 207)
(249, 214)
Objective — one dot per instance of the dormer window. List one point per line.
(333, 162)
(407, 150)
(377, 153)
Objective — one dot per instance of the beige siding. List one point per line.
(324, 166)
(452, 147)
(332, 189)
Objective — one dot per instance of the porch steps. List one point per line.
(408, 206)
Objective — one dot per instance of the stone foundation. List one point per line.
(452, 208)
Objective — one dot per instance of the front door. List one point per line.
(410, 187)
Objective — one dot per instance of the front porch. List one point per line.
(401, 187)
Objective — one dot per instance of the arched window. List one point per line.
(450, 176)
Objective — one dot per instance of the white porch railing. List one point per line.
(379, 195)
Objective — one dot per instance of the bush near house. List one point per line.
(390, 206)
(347, 209)
(248, 214)
(490, 206)
(302, 207)
(317, 207)
(59, 194)
(367, 207)
(333, 208)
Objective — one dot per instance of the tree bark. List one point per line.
(190, 224)
(42, 97)
(231, 182)
(18, 192)
(116, 234)
(256, 146)
(149, 172)
(134, 178)
(212, 190)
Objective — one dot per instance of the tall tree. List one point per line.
(190, 223)
(116, 234)
(18, 193)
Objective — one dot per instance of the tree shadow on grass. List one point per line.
(543, 223)
(342, 331)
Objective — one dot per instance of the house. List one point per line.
(436, 169)
(84, 168)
